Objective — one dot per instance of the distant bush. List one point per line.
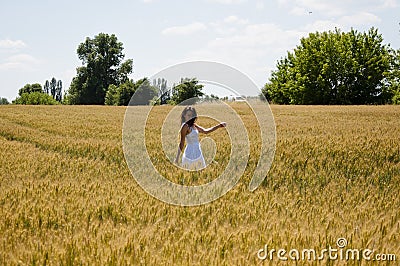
(3, 101)
(122, 94)
(35, 98)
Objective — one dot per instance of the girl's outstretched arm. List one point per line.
(211, 129)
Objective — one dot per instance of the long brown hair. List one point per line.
(191, 121)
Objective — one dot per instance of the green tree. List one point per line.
(3, 101)
(102, 66)
(35, 98)
(125, 92)
(332, 68)
(46, 87)
(111, 97)
(393, 78)
(163, 92)
(210, 98)
(53, 85)
(278, 89)
(122, 94)
(30, 88)
(145, 93)
(53, 88)
(186, 89)
(58, 92)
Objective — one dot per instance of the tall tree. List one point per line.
(53, 87)
(332, 68)
(185, 90)
(164, 93)
(46, 87)
(58, 94)
(102, 66)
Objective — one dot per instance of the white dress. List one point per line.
(192, 158)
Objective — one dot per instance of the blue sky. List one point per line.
(38, 39)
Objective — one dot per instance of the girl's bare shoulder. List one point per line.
(184, 127)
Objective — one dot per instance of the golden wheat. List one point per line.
(67, 196)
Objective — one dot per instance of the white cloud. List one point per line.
(185, 30)
(250, 48)
(298, 11)
(21, 62)
(344, 22)
(359, 18)
(10, 44)
(324, 8)
(328, 8)
(228, 25)
(322, 25)
(336, 9)
(235, 20)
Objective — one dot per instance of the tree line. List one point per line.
(4, 101)
(332, 67)
(103, 78)
(50, 93)
(155, 93)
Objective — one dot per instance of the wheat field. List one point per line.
(67, 196)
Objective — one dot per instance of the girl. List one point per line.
(192, 158)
